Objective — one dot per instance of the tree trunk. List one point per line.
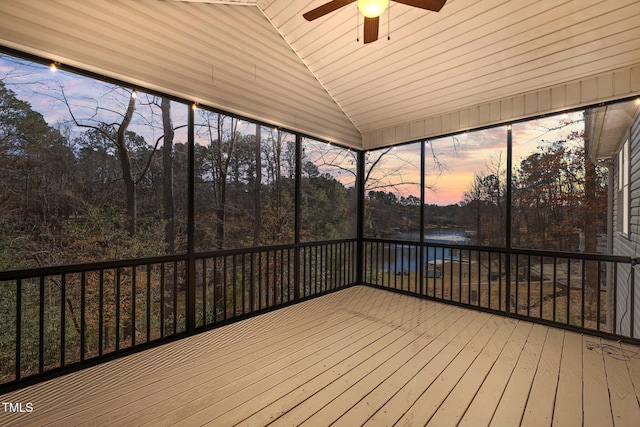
(167, 177)
(127, 175)
(257, 225)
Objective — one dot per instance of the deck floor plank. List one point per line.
(275, 402)
(180, 380)
(540, 404)
(295, 407)
(421, 367)
(176, 379)
(568, 405)
(234, 395)
(511, 364)
(456, 403)
(336, 398)
(632, 356)
(429, 387)
(594, 384)
(624, 403)
(513, 402)
(359, 356)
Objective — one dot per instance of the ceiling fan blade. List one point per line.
(371, 29)
(432, 5)
(326, 8)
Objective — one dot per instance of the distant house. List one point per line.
(613, 139)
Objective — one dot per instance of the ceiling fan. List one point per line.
(371, 9)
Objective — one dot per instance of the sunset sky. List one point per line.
(452, 162)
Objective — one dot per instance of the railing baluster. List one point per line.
(469, 279)
(500, 282)
(632, 300)
(133, 306)
(291, 293)
(260, 282)
(235, 290)
(41, 327)
(614, 319)
(63, 322)
(583, 284)
(244, 298)
(148, 302)
(555, 287)
(528, 285)
(568, 308)
(175, 297)
(281, 276)
(377, 279)
(598, 295)
(83, 320)
(252, 301)
(541, 286)
(489, 279)
(204, 291)
(225, 285)
(100, 312)
(469, 288)
(460, 277)
(18, 349)
(317, 259)
(162, 301)
(340, 261)
(328, 254)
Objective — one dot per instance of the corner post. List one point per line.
(360, 221)
(191, 261)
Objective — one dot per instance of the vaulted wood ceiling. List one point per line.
(476, 62)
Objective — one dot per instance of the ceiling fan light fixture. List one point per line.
(372, 8)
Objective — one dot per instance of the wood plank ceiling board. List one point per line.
(471, 64)
(470, 53)
(226, 56)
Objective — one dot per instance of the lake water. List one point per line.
(404, 258)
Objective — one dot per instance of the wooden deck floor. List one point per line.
(361, 356)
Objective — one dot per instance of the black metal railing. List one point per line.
(58, 318)
(574, 290)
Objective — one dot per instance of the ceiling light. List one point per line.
(372, 8)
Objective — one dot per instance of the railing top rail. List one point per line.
(587, 256)
(29, 273)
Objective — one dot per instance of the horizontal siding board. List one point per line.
(579, 93)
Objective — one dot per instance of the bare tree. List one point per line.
(257, 200)
(168, 211)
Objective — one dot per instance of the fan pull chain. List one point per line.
(389, 22)
(357, 25)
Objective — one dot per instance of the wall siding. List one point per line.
(602, 87)
(628, 245)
